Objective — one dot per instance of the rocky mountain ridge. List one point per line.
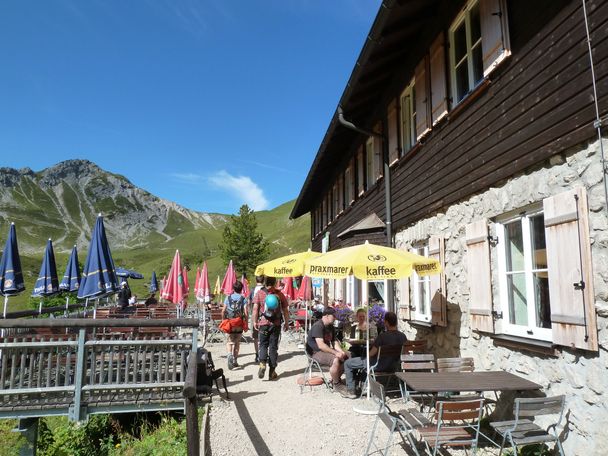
(62, 202)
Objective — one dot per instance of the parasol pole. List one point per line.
(367, 407)
(4, 315)
(67, 303)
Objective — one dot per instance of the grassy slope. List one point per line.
(285, 235)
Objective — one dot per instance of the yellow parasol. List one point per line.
(286, 266)
(370, 262)
(217, 289)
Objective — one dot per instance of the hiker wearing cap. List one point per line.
(124, 295)
(323, 347)
(270, 306)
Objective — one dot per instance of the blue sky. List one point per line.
(209, 103)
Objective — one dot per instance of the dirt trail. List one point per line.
(273, 418)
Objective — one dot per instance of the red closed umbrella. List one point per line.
(229, 279)
(173, 289)
(288, 290)
(185, 281)
(305, 290)
(245, 282)
(203, 286)
(196, 281)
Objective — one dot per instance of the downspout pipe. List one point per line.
(387, 190)
(597, 124)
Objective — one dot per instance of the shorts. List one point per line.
(233, 338)
(324, 359)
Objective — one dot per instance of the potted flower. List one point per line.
(375, 314)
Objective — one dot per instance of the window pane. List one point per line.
(475, 22)
(421, 290)
(477, 64)
(518, 308)
(462, 80)
(539, 248)
(460, 42)
(514, 246)
(412, 132)
(541, 296)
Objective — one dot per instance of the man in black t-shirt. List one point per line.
(321, 344)
(392, 336)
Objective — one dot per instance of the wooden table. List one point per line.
(436, 382)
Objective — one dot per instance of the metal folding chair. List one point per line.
(415, 363)
(310, 366)
(404, 422)
(457, 426)
(523, 430)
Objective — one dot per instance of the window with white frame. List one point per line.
(376, 292)
(466, 56)
(421, 289)
(360, 171)
(523, 275)
(408, 117)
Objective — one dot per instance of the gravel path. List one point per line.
(273, 418)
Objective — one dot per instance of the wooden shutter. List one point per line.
(378, 161)
(439, 101)
(351, 182)
(438, 291)
(360, 171)
(494, 33)
(404, 299)
(392, 120)
(420, 85)
(573, 319)
(480, 276)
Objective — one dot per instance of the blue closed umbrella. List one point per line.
(11, 276)
(47, 283)
(98, 276)
(153, 283)
(71, 278)
(128, 273)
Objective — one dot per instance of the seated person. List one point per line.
(317, 307)
(151, 300)
(322, 346)
(359, 331)
(124, 295)
(392, 336)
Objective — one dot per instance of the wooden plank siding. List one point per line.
(537, 104)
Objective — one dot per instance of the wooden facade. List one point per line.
(533, 105)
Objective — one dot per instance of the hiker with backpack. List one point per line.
(270, 307)
(234, 323)
(259, 284)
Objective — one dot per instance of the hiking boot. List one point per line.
(349, 394)
(235, 363)
(262, 370)
(230, 362)
(272, 375)
(257, 359)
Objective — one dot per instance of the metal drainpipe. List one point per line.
(387, 191)
(598, 121)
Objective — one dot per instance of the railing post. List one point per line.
(76, 410)
(28, 428)
(194, 340)
(189, 392)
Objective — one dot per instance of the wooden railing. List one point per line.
(77, 367)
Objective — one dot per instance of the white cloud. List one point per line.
(242, 187)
